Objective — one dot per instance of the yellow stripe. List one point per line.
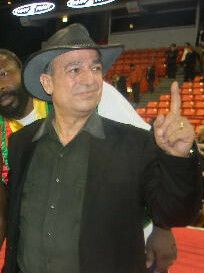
(40, 110)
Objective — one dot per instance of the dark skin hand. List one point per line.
(161, 249)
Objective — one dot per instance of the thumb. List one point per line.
(149, 258)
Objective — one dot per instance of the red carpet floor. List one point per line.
(190, 243)
(2, 255)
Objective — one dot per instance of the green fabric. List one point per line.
(147, 219)
(52, 201)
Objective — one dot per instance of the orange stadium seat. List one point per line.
(186, 91)
(152, 104)
(199, 104)
(200, 112)
(165, 98)
(188, 112)
(198, 91)
(187, 97)
(187, 104)
(187, 84)
(198, 84)
(163, 111)
(163, 104)
(199, 97)
(198, 78)
(141, 111)
(151, 111)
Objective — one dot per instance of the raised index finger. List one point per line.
(175, 106)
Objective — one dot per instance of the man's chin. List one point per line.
(10, 112)
(9, 102)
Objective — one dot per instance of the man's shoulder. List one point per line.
(123, 130)
(27, 131)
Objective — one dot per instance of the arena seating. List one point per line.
(192, 104)
(142, 58)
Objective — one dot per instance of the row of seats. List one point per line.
(185, 104)
(141, 58)
(192, 104)
(153, 112)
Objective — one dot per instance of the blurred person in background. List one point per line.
(189, 59)
(171, 61)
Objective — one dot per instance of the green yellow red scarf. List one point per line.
(7, 127)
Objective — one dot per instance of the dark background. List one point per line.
(24, 36)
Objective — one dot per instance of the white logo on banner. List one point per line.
(87, 3)
(33, 9)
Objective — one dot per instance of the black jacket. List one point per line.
(126, 171)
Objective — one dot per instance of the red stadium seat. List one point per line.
(152, 104)
(200, 112)
(198, 84)
(164, 104)
(187, 85)
(187, 97)
(198, 78)
(199, 97)
(141, 111)
(198, 91)
(151, 111)
(186, 91)
(163, 111)
(199, 104)
(188, 112)
(187, 104)
(165, 98)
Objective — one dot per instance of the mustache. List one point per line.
(86, 90)
(4, 94)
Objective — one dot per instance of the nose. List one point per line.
(87, 77)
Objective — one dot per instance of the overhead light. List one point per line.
(9, 3)
(65, 19)
(78, 4)
(131, 26)
(33, 9)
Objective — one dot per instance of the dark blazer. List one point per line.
(126, 171)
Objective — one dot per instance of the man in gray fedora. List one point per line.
(79, 183)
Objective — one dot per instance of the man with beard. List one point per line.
(18, 108)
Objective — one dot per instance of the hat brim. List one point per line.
(35, 65)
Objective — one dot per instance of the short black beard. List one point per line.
(17, 111)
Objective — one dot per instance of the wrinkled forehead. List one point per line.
(7, 62)
(80, 53)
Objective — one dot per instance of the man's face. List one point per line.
(13, 98)
(75, 82)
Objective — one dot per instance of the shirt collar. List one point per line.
(93, 126)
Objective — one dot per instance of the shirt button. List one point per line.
(57, 180)
(52, 207)
(49, 234)
(61, 155)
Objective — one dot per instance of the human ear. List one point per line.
(46, 82)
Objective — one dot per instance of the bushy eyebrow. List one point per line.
(75, 63)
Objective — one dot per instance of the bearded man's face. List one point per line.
(13, 98)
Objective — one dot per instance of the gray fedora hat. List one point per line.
(72, 37)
